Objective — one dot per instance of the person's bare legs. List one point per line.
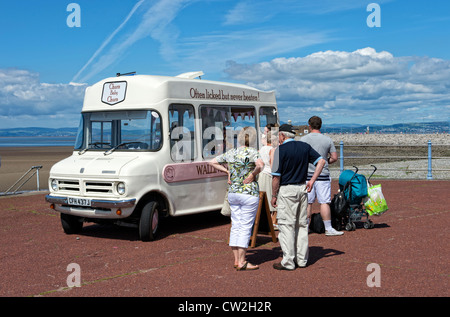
(236, 256)
(239, 257)
(325, 212)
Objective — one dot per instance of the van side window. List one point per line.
(155, 140)
(221, 125)
(182, 132)
(267, 115)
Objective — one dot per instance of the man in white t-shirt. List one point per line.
(322, 187)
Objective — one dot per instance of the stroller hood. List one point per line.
(358, 188)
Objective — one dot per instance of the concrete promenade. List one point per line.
(410, 244)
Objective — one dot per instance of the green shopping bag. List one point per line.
(375, 204)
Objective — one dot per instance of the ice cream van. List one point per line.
(143, 146)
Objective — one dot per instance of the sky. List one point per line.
(347, 61)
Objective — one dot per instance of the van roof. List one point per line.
(143, 91)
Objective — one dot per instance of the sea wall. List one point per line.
(390, 139)
(405, 169)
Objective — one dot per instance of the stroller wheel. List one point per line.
(368, 224)
(350, 226)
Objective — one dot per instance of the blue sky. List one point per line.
(320, 57)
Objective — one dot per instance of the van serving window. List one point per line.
(182, 133)
(267, 115)
(221, 125)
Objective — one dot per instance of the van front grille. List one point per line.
(99, 187)
(72, 186)
(88, 188)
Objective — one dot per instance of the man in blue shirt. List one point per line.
(289, 195)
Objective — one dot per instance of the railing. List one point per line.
(429, 158)
(33, 170)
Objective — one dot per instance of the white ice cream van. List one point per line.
(143, 145)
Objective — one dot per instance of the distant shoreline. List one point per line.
(36, 141)
(37, 136)
(394, 128)
(347, 138)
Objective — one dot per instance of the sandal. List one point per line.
(245, 268)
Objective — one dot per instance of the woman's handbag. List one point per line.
(226, 210)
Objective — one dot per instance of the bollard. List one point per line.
(429, 175)
(37, 179)
(341, 154)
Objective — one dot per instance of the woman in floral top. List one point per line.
(244, 163)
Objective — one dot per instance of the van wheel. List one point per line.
(71, 224)
(149, 222)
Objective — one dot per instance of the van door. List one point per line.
(194, 185)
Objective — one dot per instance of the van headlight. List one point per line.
(54, 184)
(120, 188)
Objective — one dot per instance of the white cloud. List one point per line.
(210, 52)
(344, 85)
(250, 11)
(319, 7)
(257, 11)
(153, 20)
(23, 96)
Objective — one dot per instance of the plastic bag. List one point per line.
(376, 203)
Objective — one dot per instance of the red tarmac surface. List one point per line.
(410, 243)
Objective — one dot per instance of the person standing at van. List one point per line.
(243, 165)
(289, 196)
(322, 187)
(265, 177)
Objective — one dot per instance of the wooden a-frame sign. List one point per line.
(263, 221)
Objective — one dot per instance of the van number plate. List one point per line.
(78, 201)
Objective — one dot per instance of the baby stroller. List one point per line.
(354, 189)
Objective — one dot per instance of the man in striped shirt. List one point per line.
(322, 187)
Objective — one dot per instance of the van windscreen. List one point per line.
(135, 129)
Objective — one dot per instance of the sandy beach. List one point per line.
(16, 161)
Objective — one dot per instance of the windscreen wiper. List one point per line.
(81, 152)
(117, 146)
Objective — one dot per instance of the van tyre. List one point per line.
(149, 222)
(71, 224)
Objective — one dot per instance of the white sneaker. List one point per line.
(333, 232)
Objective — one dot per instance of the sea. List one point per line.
(29, 141)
